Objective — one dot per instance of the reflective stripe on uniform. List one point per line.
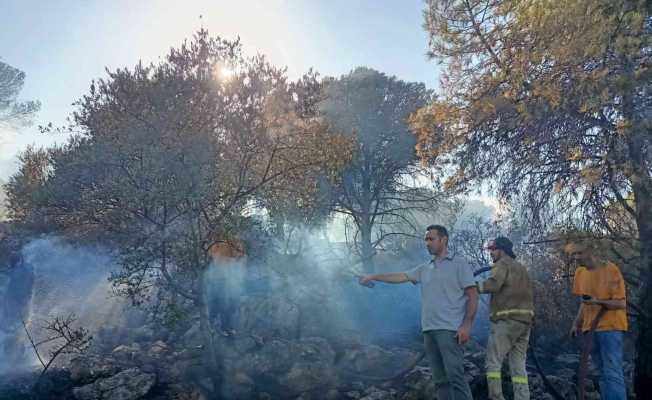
(493, 375)
(519, 379)
(513, 311)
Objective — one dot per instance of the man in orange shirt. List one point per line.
(224, 279)
(601, 285)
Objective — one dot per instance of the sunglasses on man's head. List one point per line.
(491, 247)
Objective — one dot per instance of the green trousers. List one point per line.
(508, 338)
(446, 359)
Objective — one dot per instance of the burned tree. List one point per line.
(168, 160)
(60, 337)
(550, 102)
(380, 188)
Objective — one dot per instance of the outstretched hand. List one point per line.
(366, 280)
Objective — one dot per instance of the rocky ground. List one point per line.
(279, 351)
(265, 368)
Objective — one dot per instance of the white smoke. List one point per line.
(64, 279)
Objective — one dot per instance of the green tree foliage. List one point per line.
(380, 188)
(25, 186)
(550, 101)
(12, 111)
(293, 211)
(170, 158)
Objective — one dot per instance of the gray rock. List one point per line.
(130, 384)
(182, 391)
(370, 360)
(568, 360)
(592, 396)
(473, 373)
(176, 371)
(89, 367)
(295, 366)
(419, 384)
(157, 349)
(566, 373)
(312, 366)
(374, 393)
(273, 358)
(245, 344)
(193, 336)
(126, 353)
(240, 386)
(565, 387)
(268, 316)
(143, 334)
(304, 377)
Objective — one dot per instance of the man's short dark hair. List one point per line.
(441, 231)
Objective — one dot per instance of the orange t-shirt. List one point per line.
(602, 283)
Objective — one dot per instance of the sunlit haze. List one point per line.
(63, 45)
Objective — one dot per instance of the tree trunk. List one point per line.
(365, 222)
(215, 367)
(643, 366)
(641, 182)
(643, 363)
(366, 248)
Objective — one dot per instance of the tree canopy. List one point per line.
(380, 188)
(169, 159)
(14, 112)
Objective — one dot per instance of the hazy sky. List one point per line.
(62, 45)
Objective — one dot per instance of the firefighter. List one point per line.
(511, 318)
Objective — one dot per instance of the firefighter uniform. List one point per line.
(511, 317)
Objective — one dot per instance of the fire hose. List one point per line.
(582, 368)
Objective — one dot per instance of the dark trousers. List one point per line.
(446, 358)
